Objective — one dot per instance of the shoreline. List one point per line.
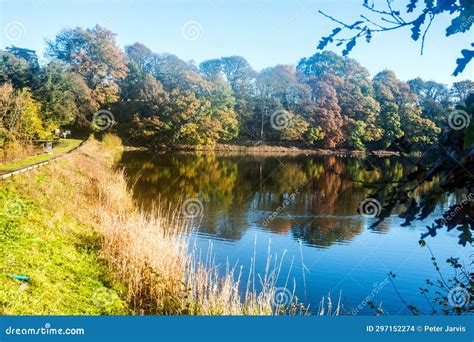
(264, 149)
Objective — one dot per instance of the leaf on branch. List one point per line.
(353, 26)
(350, 45)
(416, 29)
(429, 4)
(329, 39)
(368, 36)
(447, 5)
(462, 62)
(465, 236)
(460, 24)
(324, 42)
(411, 6)
(431, 232)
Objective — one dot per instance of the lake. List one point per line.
(304, 209)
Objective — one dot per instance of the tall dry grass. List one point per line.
(149, 252)
(14, 150)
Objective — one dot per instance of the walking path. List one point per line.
(30, 163)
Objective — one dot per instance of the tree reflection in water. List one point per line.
(240, 191)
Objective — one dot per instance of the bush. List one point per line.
(314, 135)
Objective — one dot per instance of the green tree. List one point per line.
(461, 90)
(212, 70)
(140, 86)
(222, 105)
(15, 70)
(278, 88)
(63, 95)
(28, 55)
(239, 74)
(314, 135)
(297, 127)
(141, 55)
(434, 99)
(355, 137)
(401, 116)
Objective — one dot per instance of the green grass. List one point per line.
(64, 146)
(60, 256)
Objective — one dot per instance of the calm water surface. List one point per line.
(313, 200)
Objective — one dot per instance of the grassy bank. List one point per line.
(64, 146)
(58, 251)
(72, 228)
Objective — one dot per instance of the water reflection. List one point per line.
(242, 191)
(306, 207)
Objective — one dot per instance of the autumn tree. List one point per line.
(325, 113)
(20, 118)
(94, 55)
(165, 100)
(354, 91)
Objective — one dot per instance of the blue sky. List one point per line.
(265, 32)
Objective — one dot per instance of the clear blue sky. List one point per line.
(265, 32)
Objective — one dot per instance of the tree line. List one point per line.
(325, 101)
